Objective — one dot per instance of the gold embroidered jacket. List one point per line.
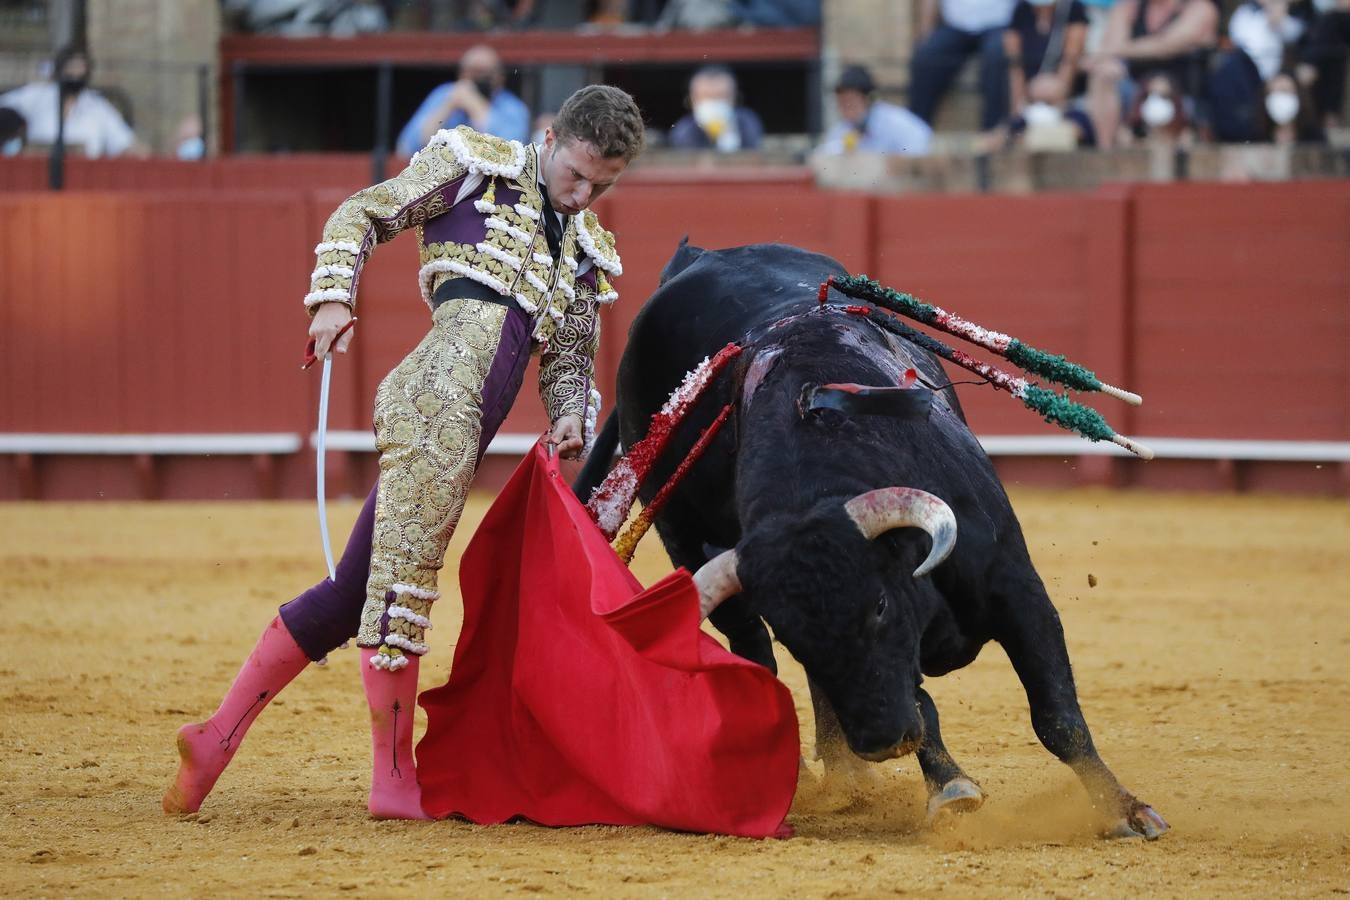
(497, 239)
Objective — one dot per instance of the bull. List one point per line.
(844, 520)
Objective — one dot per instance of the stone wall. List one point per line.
(151, 52)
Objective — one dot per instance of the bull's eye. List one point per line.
(881, 606)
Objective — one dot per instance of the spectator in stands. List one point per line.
(1261, 32)
(1044, 44)
(1160, 112)
(1144, 38)
(13, 132)
(479, 98)
(872, 125)
(91, 122)
(950, 31)
(715, 121)
(1323, 60)
(1290, 116)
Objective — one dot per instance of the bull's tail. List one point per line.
(598, 463)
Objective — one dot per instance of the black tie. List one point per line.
(552, 228)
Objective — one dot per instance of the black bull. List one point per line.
(774, 485)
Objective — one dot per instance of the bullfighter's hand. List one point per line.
(327, 322)
(566, 435)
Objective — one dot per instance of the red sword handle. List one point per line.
(310, 358)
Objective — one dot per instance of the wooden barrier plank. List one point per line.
(1242, 317)
(1165, 289)
(1014, 264)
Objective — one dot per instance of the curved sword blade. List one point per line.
(319, 469)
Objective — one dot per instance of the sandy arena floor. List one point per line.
(1213, 662)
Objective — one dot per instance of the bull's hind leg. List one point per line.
(950, 790)
(1033, 638)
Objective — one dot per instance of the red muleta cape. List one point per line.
(576, 697)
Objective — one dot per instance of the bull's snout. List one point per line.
(899, 740)
(903, 748)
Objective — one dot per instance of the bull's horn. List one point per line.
(716, 580)
(877, 512)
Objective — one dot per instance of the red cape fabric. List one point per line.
(576, 697)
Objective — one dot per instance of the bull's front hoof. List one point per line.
(960, 795)
(1140, 821)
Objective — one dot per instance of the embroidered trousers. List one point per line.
(434, 416)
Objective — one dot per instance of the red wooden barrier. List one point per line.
(144, 311)
(285, 172)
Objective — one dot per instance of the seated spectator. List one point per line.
(963, 28)
(872, 125)
(1160, 113)
(1044, 43)
(715, 121)
(91, 122)
(478, 98)
(1260, 30)
(1289, 115)
(13, 132)
(1323, 60)
(1144, 38)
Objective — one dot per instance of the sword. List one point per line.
(321, 441)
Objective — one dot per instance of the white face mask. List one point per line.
(1282, 107)
(12, 147)
(1042, 114)
(712, 113)
(1158, 111)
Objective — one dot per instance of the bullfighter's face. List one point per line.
(576, 174)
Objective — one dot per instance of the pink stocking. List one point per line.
(392, 696)
(206, 748)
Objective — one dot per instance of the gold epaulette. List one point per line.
(598, 244)
(482, 154)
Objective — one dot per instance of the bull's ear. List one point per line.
(711, 550)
